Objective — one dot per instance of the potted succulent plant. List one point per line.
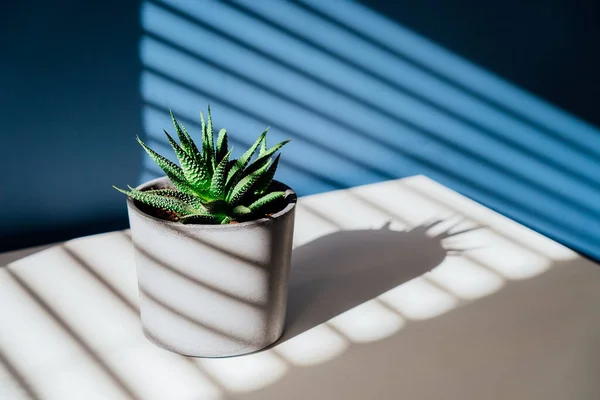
(212, 242)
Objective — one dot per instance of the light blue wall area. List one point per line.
(364, 99)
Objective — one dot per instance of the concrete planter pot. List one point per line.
(212, 290)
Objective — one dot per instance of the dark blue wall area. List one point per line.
(548, 48)
(493, 99)
(70, 109)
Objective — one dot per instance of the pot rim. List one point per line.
(292, 199)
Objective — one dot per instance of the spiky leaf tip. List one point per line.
(217, 185)
(212, 188)
(263, 183)
(187, 143)
(235, 173)
(162, 202)
(190, 199)
(164, 163)
(209, 134)
(194, 173)
(264, 159)
(208, 152)
(173, 171)
(263, 146)
(221, 144)
(239, 190)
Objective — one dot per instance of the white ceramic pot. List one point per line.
(212, 290)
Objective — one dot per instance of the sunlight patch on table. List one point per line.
(465, 278)
(368, 322)
(314, 346)
(9, 387)
(246, 373)
(419, 299)
(112, 259)
(98, 316)
(410, 206)
(158, 374)
(48, 358)
(350, 210)
(108, 327)
(312, 226)
(509, 259)
(506, 227)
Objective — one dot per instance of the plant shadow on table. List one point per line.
(339, 271)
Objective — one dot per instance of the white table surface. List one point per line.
(393, 295)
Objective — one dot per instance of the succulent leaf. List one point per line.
(184, 138)
(221, 144)
(157, 201)
(235, 173)
(272, 150)
(265, 200)
(241, 211)
(190, 199)
(210, 152)
(264, 159)
(263, 146)
(194, 172)
(174, 172)
(239, 190)
(263, 183)
(209, 187)
(164, 163)
(217, 185)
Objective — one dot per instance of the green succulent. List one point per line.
(209, 187)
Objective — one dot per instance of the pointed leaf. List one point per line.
(273, 149)
(184, 138)
(265, 200)
(221, 145)
(263, 147)
(263, 183)
(262, 160)
(217, 185)
(194, 173)
(204, 140)
(241, 210)
(235, 173)
(211, 143)
(193, 200)
(207, 143)
(174, 172)
(168, 203)
(164, 163)
(203, 126)
(239, 190)
(231, 163)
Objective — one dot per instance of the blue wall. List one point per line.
(70, 106)
(364, 97)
